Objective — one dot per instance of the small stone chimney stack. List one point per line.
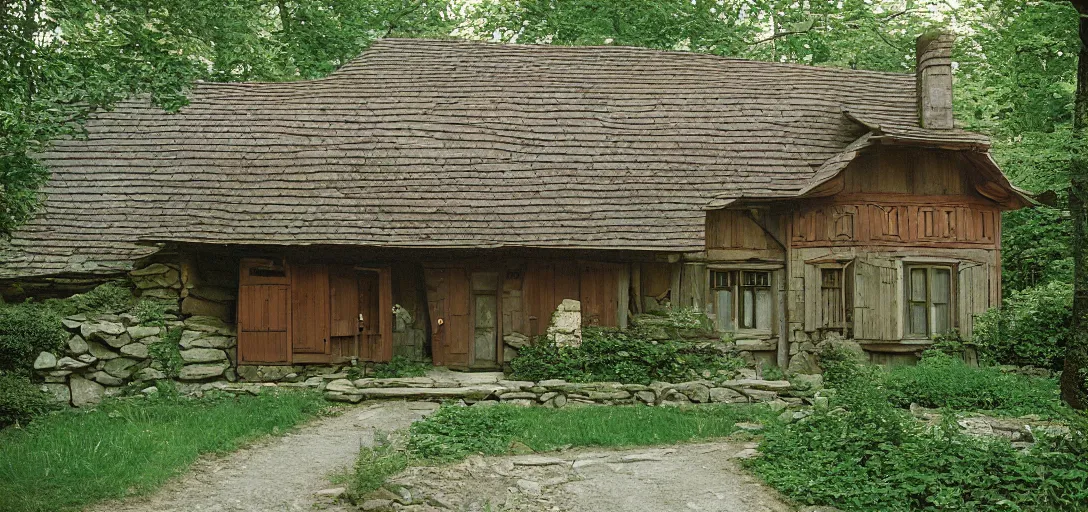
(934, 76)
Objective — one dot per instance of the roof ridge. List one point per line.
(643, 49)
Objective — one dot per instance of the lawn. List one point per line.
(67, 460)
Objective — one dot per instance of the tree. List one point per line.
(61, 59)
(1075, 372)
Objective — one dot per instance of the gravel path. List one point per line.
(687, 477)
(284, 474)
(281, 474)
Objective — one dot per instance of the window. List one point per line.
(929, 300)
(742, 299)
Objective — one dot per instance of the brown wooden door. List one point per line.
(375, 310)
(599, 291)
(263, 312)
(310, 309)
(545, 286)
(448, 294)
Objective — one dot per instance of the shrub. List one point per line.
(400, 366)
(150, 312)
(866, 454)
(20, 400)
(165, 354)
(453, 433)
(111, 297)
(940, 380)
(26, 330)
(624, 356)
(1032, 328)
(374, 466)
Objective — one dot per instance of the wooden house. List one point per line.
(434, 198)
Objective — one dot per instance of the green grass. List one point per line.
(454, 433)
(942, 381)
(550, 429)
(67, 460)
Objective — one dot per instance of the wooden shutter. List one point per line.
(973, 295)
(876, 299)
(310, 309)
(343, 301)
(263, 312)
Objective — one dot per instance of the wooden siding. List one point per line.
(912, 171)
(895, 221)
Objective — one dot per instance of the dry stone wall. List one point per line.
(560, 393)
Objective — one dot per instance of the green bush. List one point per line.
(944, 381)
(624, 356)
(20, 400)
(26, 330)
(400, 366)
(111, 297)
(453, 433)
(1032, 328)
(165, 354)
(866, 454)
(374, 466)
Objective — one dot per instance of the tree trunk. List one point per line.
(1075, 372)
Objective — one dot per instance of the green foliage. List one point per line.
(374, 466)
(67, 460)
(111, 297)
(400, 366)
(866, 454)
(26, 330)
(771, 372)
(629, 356)
(20, 400)
(165, 354)
(151, 312)
(1036, 248)
(453, 433)
(64, 59)
(1032, 328)
(943, 381)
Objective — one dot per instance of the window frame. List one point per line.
(735, 283)
(931, 269)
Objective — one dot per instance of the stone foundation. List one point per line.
(485, 389)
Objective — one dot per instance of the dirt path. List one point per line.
(281, 474)
(694, 477)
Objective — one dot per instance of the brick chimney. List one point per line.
(934, 77)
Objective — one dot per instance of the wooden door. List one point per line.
(375, 314)
(599, 291)
(486, 327)
(263, 312)
(448, 294)
(545, 286)
(310, 314)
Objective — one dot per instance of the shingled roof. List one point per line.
(452, 144)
